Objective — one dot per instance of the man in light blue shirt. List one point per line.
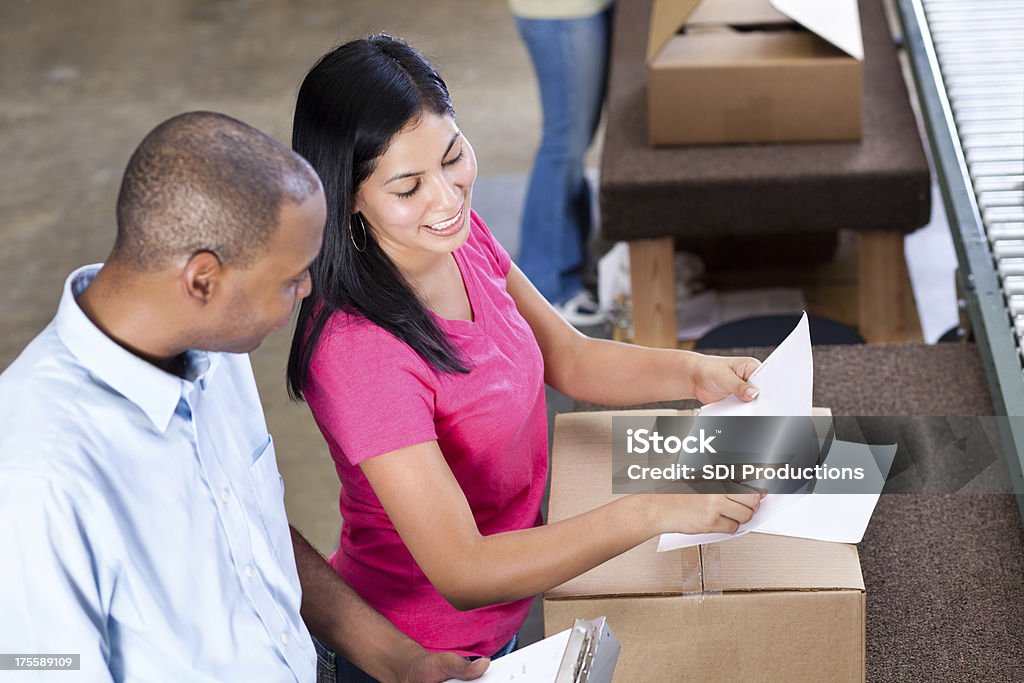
(142, 521)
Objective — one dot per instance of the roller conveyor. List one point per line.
(967, 57)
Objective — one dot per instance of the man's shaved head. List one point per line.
(205, 182)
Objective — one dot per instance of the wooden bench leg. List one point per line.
(886, 309)
(653, 278)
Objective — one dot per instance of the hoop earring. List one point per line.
(351, 233)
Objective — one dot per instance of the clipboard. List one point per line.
(585, 653)
(591, 654)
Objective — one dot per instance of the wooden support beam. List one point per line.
(886, 309)
(652, 272)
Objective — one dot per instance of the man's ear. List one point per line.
(202, 275)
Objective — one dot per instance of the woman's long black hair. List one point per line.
(351, 105)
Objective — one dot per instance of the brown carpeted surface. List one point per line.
(880, 183)
(944, 574)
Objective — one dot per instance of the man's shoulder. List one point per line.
(44, 354)
(46, 397)
(42, 380)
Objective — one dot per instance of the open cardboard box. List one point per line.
(730, 71)
(758, 607)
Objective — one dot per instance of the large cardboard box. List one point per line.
(727, 71)
(757, 607)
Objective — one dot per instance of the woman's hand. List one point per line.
(702, 513)
(716, 377)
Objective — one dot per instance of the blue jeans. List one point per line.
(570, 58)
(333, 668)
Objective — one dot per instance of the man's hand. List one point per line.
(434, 667)
(338, 617)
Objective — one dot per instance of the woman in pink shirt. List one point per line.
(423, 354)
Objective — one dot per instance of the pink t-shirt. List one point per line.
(371, 394)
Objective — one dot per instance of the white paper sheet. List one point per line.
(537, 662)
(836, 517)
(771, 507)
(786, 380)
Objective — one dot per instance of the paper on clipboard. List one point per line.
(537, 662)
(585, 653)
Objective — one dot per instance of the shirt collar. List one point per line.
(154, 391)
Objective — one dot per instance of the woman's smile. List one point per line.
(450, 226)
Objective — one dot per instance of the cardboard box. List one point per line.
(754, 71)
(758, 607)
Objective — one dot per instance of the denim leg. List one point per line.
(510, 647)
(350, 673)
(333, 668)
(326, 663)
(570, 58)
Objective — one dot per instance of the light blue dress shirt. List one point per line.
(142, 521)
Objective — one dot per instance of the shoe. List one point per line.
(582, 310)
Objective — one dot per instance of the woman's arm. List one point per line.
(428, 508)
(612, 373)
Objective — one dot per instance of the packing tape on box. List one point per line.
(710, 572)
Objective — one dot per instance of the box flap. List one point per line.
(736, 12)
(666, 18)
(758, 562)
(727, 50)
(837, 21)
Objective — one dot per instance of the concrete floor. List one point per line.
(83, 82)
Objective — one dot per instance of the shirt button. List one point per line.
(284, 638)
(224, 495)
(248, 571)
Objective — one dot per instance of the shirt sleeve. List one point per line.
(497, 253)
(51, 601)
(369, 392)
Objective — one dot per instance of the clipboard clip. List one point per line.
(591, 653)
